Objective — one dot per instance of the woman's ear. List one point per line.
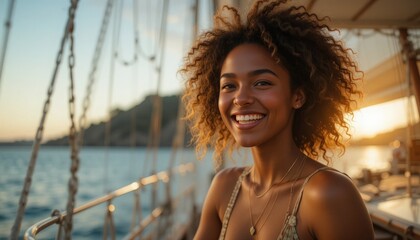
(299, 98)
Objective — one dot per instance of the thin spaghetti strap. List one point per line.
(231, 203)
(289, 231)
(298, 200)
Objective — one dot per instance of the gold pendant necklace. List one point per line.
(252, 231)
(288, 231)
(253, 228)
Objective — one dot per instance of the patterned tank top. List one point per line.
(289, 231)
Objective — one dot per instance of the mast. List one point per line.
(411, 58)
(414, 78)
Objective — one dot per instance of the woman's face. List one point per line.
(255, 100)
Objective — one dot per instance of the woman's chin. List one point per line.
(245, 144)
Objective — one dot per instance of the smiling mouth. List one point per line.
(247, 118)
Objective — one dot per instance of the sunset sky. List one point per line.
(37, 29)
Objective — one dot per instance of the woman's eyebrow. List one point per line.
(228, 75)
(251, 74)
(261, 71)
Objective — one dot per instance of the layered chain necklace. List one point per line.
(253, 228)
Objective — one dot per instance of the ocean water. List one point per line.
(106, 169)
(101, 170)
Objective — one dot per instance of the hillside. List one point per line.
(122, 125)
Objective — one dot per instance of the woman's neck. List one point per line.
(272, 163)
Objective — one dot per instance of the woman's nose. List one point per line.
(243, 97)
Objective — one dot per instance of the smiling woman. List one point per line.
(255, 101)
(279, 84)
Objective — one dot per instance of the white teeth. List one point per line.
(248, 118)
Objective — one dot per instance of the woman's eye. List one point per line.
(263, 83)
(227, 86)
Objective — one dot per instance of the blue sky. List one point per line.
(37, 29)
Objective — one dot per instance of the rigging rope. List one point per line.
(157, 100)
(152, 59)
(37, 142)
(178, 140)
(73, 182)
(152, 56)
(137, 211)
(135, 34)
(109, 222)
(8, 25)
(108, 124)
(57, 213)
(92, 75)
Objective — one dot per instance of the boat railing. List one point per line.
(399, 227)
(162, 210)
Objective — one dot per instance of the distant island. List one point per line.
(122, 128)
(17, 143)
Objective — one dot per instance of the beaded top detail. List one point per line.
(231, 203)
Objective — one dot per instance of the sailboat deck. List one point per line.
(394, 211)
(399, 216)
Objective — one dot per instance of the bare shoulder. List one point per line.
(332, 189)
(330, 185)
(223, 184)
(216, 202)
(228, 175)
(334, 209)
